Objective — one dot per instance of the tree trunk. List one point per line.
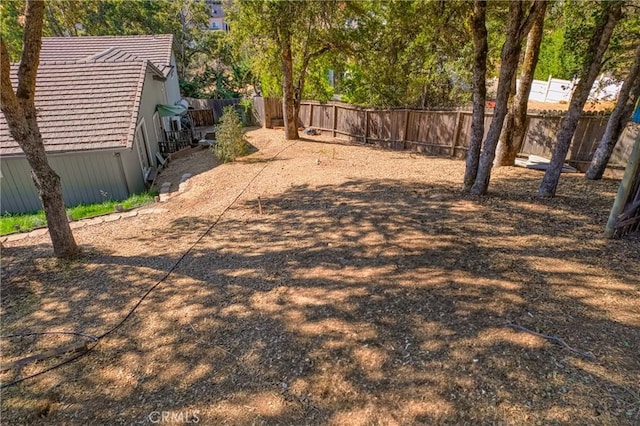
(481, 47)
(509, 121)
(20, 113)
(509, 146)
(288, 104)
(597, 48)
(629, 94)
(517, 28)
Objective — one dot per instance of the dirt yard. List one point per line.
(329, 283)
(604, 106)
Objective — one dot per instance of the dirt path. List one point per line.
(368, 291)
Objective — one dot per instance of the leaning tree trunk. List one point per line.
(508, 126)
(481, 47)
(20, 113)
(597, 48)
(510, 144)
(627, 98)
(518, 27)
(288, 104)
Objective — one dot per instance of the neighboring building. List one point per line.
(97, 101)
(216, 16)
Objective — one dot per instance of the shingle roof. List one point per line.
(84, 105)
(155, 48)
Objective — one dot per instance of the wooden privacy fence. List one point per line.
(207, 112)
(268, 111)
(447, 133)
(202, 117)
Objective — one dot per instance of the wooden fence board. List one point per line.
(202, 117)
(447, 133)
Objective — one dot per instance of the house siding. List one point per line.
(132, 171)
(153, 93)
(172, 84)
(86, 178)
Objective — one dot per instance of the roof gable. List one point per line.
(154, 48)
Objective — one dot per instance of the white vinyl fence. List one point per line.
(556, 90)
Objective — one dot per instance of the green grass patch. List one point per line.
(10, 223)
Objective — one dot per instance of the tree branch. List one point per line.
(7, 96)
(536, 8)
(30, 59)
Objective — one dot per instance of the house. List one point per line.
(97, 101)
(216, 15)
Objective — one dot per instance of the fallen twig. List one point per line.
(587, 355)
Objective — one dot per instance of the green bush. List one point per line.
(230, 141)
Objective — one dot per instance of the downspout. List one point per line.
(124, 175)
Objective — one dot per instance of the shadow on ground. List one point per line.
(363, 303)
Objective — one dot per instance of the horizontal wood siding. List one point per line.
(86, 178)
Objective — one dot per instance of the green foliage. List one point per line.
(552, 61)
(623, 43)
(564, 45)
(187, 20)
(398, 60)
(230, 138)
(215, 71)
(10, 223)
(569, 26)
(210, 84)
(313, 29)
(318, 86)
(11, 29)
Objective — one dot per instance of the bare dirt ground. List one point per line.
(369, 291)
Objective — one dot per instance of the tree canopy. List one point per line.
(204, 65)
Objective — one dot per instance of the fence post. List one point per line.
(546, 92)
(405, 130)
(310, 114)
(456, 134)
(366, 126)
(335, 120)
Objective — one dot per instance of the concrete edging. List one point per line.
(77, 224)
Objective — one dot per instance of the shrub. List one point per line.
(247, 111)
(230, 141)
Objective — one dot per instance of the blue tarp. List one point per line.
(636, 114)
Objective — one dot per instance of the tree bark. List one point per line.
(518, 27)
(513, 136)
(298, 89)
(627, 98)
(479, 29)
(597, 48)
(288, 99)
(508, 126)
(20, 113)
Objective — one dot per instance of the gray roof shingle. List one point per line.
(155, 48)
(88, 90)
(83, 106)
